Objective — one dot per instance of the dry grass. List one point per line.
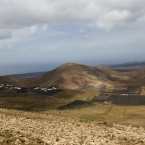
(116, 113)
(143, 90)
(129, 115)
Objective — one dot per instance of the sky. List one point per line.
(39, 35)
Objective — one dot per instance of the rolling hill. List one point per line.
(75, 76)
(13, 80)
(81, 77)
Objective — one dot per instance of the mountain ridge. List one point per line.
(125, 67)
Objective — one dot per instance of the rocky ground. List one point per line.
(18, 127)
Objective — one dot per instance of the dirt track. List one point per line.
(17, 127)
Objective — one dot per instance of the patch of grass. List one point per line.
(141, 100)
(68, 94)
(116, 113)
(92, 117)
(35, 101)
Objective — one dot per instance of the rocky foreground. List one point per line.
(18, 127)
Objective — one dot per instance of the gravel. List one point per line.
(20, 127)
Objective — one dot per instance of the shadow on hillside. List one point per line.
(52, 92)
(75, 105)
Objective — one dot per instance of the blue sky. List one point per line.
(39, 35)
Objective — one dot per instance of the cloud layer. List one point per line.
(106, 14)
(81, 31)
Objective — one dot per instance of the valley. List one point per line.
(77, 92)
(73, 104)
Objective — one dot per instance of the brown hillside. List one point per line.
(81, 77)
(73, 76)
(78, 76)
(14, 80)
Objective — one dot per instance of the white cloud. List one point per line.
(5, 34)
(34, 30)
(19, 13)
(6, 47)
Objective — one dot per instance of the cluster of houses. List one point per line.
(23, 89)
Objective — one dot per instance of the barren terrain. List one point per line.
(18, 127)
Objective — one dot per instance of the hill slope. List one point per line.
(74, 76)
(14, 80)
(82, 77)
